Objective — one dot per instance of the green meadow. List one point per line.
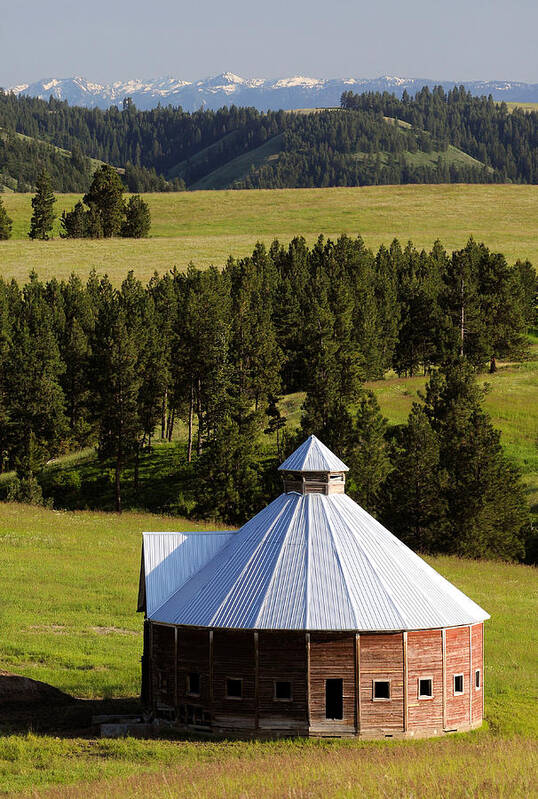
(70, 578)
(67, 605)
(205, 227)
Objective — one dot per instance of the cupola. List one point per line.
(313, 469)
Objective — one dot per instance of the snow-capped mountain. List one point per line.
(294, 92)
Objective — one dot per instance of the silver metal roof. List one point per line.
(313, 456)
(310, 562)
(169, 559)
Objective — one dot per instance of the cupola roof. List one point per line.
(313, 456)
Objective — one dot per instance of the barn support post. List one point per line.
(444, 678)
(483, 669)
(405, 681)
(176, 668)
(357, 684)
(211, 693)
(256, 682)
(150, 667)
(307, 642)
(471, 686)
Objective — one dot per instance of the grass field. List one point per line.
(67, 598)
(524, 106)
(205, 226)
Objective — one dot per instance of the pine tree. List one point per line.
(6, 223)
(43, 214)
(34, 397)
(116, 383)
(75, 352)
(276, 422)
(486, 505)
(137, 218)
(75, 223)
(528, 288)
(228, 479)
(367, 454)
(105, 201)
(413, 503)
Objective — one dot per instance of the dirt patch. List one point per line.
(48, 628)
(113, 630)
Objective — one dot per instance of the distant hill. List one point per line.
(288, 93)
(372, 138)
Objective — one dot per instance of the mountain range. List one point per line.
(227, 89)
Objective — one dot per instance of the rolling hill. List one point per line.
(373, 139)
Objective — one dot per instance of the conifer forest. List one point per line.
(88, 364)
(373, 138)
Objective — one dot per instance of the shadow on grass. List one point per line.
(28, 705)
(165, 482)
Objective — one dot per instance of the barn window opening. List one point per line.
(234, 688)
(477, 679)
(282, 691)
(458, 684)
(380, 690)
(193, 684)
(425, 688)
(334, 699)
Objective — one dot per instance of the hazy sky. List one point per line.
(118, 39)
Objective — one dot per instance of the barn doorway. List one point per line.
(334, 703)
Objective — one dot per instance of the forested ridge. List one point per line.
(88, 364)
(373, 139)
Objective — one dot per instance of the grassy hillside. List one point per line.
(205, 227)
(238, 168)
(76, 629)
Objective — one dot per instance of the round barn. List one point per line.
(312, 619)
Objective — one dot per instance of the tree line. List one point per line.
(91, 364)
(102, 213)
(364, 143)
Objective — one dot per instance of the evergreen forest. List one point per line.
(435, 137)
(89, 365)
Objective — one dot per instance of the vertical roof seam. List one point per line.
(276, 565)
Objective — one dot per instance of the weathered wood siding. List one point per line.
(332, 656)
(193, 656)
(381, 658)
(425, 659)
(457, 662)
(477, 637)
(282, 656)
(260, 659)
(162, 666)
(234, 657)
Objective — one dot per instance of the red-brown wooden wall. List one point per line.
(289, 656)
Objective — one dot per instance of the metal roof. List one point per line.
(313, 562)
(169, 559)
(313, 456)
